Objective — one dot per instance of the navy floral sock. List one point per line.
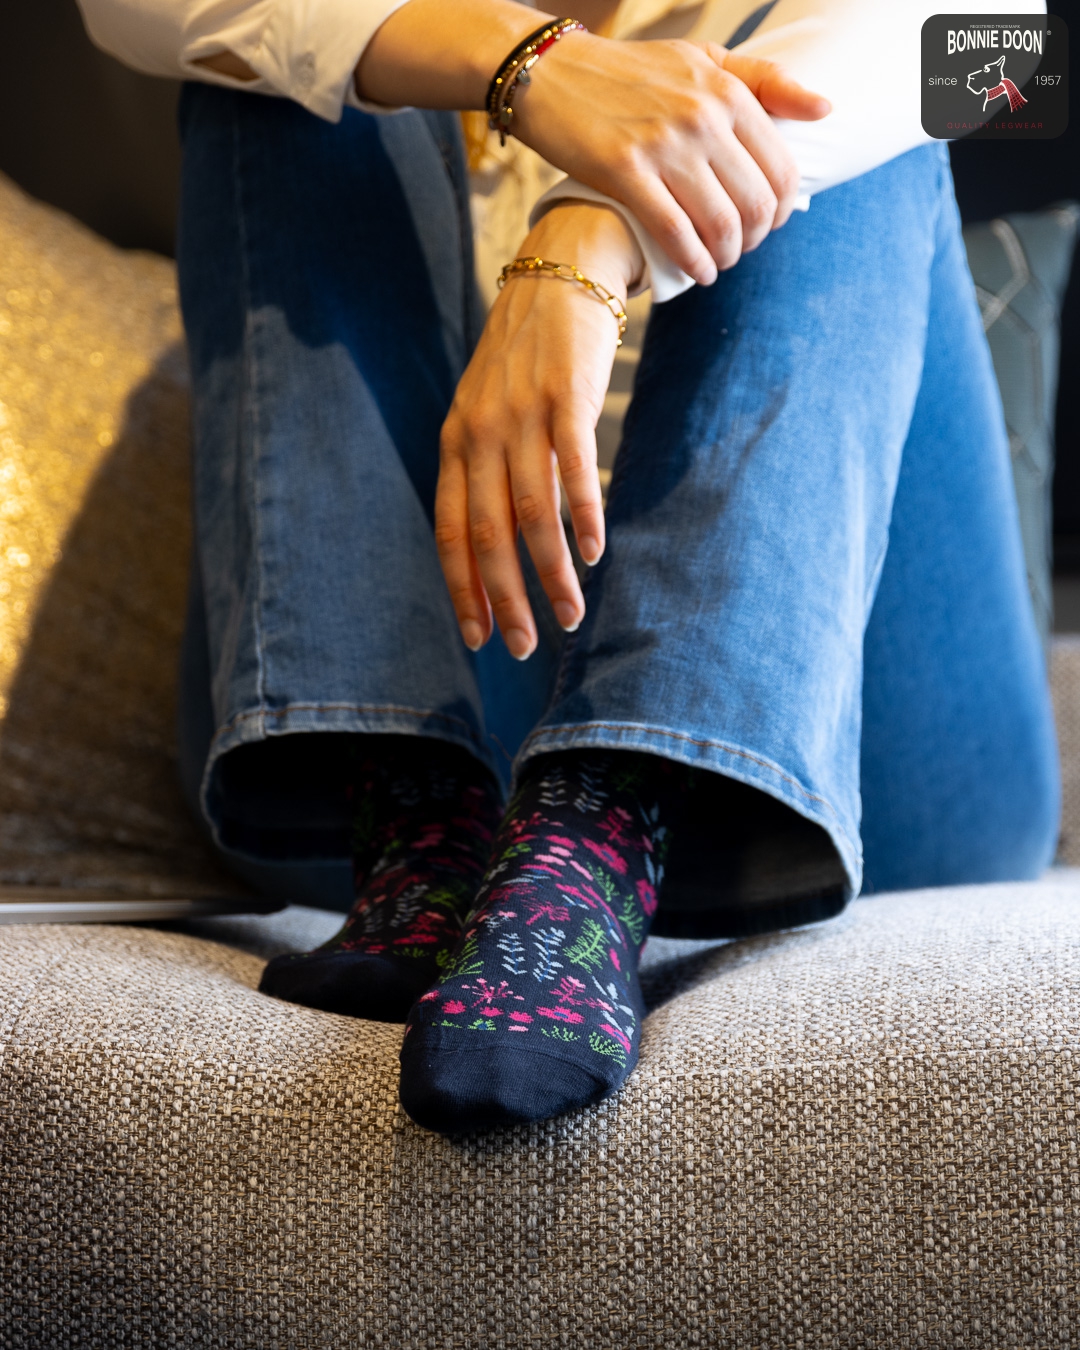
(425, 815)
(539, 1009)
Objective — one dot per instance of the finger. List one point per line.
(749, 189)
(455, 554)
(773, 87)
(493, 539)
(662, 217)
(773, 160)
(768, 154)
(714, 215)
(575, 446)
(535, 491)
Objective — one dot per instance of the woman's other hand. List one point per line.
(527, 406)
(680, 133)
(676, 131)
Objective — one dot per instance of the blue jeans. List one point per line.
(813, 587)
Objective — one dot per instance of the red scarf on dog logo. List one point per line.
(1016, 98)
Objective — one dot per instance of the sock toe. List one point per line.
(354, 984)
(455, 1091)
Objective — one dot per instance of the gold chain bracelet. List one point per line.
(567, 272)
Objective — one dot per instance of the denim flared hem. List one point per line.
(319, 872)
(731, 761)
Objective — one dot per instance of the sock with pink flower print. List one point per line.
(425, 813)
(539, 1008)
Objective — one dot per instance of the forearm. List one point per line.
(433, 54)
(429, 53)
(661, 126)
(437, 55)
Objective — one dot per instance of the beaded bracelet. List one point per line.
(515, 70)
(568, 272)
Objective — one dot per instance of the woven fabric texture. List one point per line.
(861, 1135)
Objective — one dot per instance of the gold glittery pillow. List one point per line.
(93, 558)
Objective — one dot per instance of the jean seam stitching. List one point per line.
(252, 414)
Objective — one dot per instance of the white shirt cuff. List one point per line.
(664, 278)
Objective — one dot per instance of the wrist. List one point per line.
(594, 237)
(492, 44)
(555, 82)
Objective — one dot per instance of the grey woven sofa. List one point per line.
(860, 1135)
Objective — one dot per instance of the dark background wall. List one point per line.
(993, 177)
(79, 130)
(83, 132)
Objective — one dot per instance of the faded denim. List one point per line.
(813, 584)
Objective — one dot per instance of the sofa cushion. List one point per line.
(1065, 684)
(94, 529)
(861, 1135)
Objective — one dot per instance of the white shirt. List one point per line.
(306, 50)
(863, 55)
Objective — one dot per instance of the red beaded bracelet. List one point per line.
(515, 70)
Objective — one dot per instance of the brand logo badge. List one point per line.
(966, 90)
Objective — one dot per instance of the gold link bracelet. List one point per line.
(567, 272)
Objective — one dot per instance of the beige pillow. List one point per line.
(94, 537)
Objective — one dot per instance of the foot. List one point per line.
(539, 1008)
(426, 813)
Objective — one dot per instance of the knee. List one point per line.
(997, 824)
(1025, 830)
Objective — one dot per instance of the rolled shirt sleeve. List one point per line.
(306, 50)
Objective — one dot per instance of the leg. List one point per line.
(726, 622)
(850, 402)
(326, 284)
(749, 510)
(747, 521)
(959, 760)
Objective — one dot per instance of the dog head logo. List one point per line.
(990, 81)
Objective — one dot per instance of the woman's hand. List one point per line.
(678, 132)
(528, 402)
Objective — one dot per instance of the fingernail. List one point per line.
(473, 635)
(590, 549)
(519, 643)
(567, 615)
